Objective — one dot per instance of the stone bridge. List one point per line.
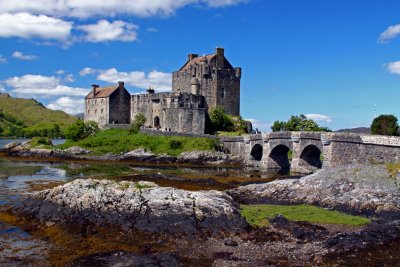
(306, 152)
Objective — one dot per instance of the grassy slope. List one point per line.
(33, 114)
(257, 215)
(117, 141)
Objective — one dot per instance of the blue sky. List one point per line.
(337, 61)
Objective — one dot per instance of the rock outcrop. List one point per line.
(365, 189)
(142, 206)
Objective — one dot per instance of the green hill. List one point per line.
(28, 117)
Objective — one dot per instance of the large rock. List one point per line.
(142, 205)
(76, 150)
(206, 157)
(357, 188)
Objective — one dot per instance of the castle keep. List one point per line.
(201, 84)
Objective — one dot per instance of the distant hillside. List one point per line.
(28, 117)
(80, 116)
(359, 130)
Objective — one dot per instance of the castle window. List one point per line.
(102, 101)
(95, 111)
(101, 111)
(95, 102)
(223, 93)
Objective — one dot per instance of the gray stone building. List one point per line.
(201, 84)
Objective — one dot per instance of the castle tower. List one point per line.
(219, 82)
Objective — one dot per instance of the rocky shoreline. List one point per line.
(24, 150)
(358, 189)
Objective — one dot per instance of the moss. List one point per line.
(393, 169)
(258, 215)
(40, 141)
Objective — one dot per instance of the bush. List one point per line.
(91, 128)
(385, 125)
(75, 131)
(38, 141)
(220, 121)
(139, 121)
(298, 123)
(175, 144)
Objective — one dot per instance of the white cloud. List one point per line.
(390, 33)
(262, 126)
(22, 56)
(2, 89)
(3, 60)
(87, 71)
(104, 31)
(68, 104)
(319, 117)
(152, 29)
(91, 8)
(28, 26)
(69, 78)
(44, 86)
(394, 67)
(59, 72)
(161, 81)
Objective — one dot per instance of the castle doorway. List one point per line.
(157, 122)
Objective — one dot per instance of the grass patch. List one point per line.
(117, 141)
(393, 169)
(258, 215)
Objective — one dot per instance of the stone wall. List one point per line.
(97, 109)
(219, 81)
(120, 107)
(171, 112)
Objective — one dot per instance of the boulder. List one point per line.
(142, 206)
(76, 150)
(137, 155)
(205, 157)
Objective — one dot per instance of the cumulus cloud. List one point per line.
(390, 33)
(104, 31)
(319, 117)
(86, 9)
(2, 89)
(262, 126)
(69, 78)
(22, 56)
(3, 60)
(25, 25)
(68, 104)
(45, 86)
(394, 67)
(87, 71)
(59, 72)
(161, 81)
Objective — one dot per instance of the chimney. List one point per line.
(94, 86)
(219, 51)
(121, 84)
(192, 56)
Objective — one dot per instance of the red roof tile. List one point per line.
(102, 92)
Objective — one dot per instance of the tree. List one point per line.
(139, 121)
(220, 121)
(91, 128)
(75, 131)
(385, 125)
(298, 123)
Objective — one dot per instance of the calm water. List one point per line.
(19, 178)
(4, 142)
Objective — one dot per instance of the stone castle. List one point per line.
(201, 84)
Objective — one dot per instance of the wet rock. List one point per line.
(122, 259)
(361, 189)
(138, 205)
(76, 150)
(137, 155)
(279, 220)
(230, 243)
(206, 157)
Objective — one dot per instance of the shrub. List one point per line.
(385, 125)
(91, 128)
(220, 121)
(75, 131)
(175, 144)
(298, 123)
(139, 121)
(39, 141)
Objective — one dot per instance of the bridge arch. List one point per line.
(311, 157)
(279, 158)
(257, 152)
